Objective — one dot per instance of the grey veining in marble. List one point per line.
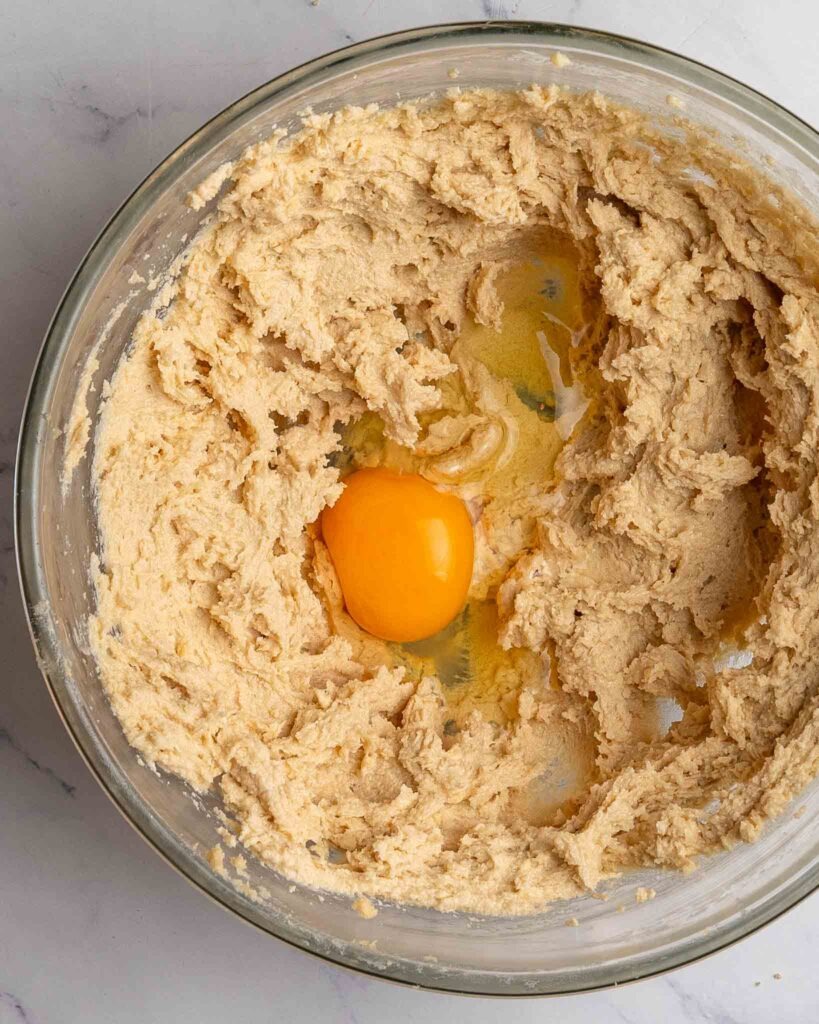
(93, 926)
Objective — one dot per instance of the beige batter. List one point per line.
(335, 280)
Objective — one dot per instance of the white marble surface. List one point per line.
(93, 926)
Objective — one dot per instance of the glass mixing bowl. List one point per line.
(733, 893)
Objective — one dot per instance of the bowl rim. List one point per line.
(49, 358)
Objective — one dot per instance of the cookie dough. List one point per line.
(680, 521)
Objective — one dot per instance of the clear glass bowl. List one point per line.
(733, 893)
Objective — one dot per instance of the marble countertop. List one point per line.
(93, 926)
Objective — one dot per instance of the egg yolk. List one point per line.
(403, 553)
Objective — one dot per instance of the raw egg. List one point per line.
(402, 551)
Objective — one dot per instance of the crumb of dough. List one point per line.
(643, 895)
(800, 812)
(136, 278)
(621, 908)
(560, 60)
(252, 893)
(677, 102)
(365, 907)
(209, 188)
(239, 863)
(333, 282)
(228, 838)
(216, 859)
(571, 922)
(453, 73)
